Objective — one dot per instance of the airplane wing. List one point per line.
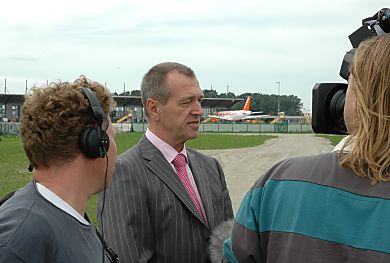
(252, 117)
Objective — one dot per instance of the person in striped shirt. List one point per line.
(331, 207)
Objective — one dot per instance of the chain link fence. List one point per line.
(245, 127)
(9, 128)
(12, 128)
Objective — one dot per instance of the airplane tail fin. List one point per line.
(247, 105)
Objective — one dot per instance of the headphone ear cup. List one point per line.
(89, 142)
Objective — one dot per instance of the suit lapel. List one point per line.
(161, 168)
(203, 185)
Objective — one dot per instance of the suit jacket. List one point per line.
(148, 214)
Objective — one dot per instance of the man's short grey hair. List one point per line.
(153, 84)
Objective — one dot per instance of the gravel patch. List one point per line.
(243, 166)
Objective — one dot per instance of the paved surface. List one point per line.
(243, 166)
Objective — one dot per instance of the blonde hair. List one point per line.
(53, 118)
(370, 141)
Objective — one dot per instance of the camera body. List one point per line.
(328, 99)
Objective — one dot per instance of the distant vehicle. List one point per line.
(125, 117)
(239, 115)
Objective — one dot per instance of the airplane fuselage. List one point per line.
(234, 115)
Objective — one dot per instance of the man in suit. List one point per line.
(165, 199)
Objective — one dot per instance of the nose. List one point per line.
(197, 109)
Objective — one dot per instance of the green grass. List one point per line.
(14, 163)
(218, 141)
(334, 139)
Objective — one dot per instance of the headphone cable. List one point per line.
(104, 200)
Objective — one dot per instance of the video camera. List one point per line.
(329, 98)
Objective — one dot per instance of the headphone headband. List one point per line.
(94, 141)
(94, 104)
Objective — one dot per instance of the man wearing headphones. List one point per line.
(69, 141)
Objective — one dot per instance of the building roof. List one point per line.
(128, 101)
(133, 101)
(11, 98)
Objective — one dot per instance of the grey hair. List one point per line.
(153, 84)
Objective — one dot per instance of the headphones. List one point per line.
(94, 141)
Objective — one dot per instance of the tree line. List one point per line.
(289, 104)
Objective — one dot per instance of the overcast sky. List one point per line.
(247, 45)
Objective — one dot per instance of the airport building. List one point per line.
(11, 106)
(128, 115)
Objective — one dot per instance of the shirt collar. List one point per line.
(340, 145)
(167, 150)
(60, 203)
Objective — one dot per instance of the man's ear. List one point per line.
(154, 109)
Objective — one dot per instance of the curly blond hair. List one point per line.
(370, 141)
(53, 118)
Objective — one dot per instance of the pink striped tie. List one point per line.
(180, 164)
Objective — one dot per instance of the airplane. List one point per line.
(238, 115)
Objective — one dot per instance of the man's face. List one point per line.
(350, 106)
(180, 117)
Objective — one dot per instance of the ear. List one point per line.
(154, 109)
